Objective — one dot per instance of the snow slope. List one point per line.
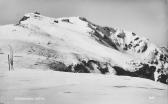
(75, 44)
(52, 87)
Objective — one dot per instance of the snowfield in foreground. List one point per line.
(52, 87)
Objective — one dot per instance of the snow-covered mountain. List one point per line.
(74, 44)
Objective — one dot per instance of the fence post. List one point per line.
(9, 62)
(10, 59)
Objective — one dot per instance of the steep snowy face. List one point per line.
(77, 45)
(149, 58)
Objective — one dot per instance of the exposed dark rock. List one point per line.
(103, 68)
(156, 52)
(111, 43)
(136, 38)
(136, 45)
(89, 23)
(66, 20)
(144, 72)
(37, 16)
(94, 66)
(121, 35)
(161, 57)
(144, 48)
(121, 71)
(59, 66)
(126, 47)
(129, 46)
(86, 67)
(133, 34)
(104, 40)
(37, 13)
(83, 19)
(23, 19)
(90, 66)
(163, 79)
(56, 21)
(156, 62)
(81, 68)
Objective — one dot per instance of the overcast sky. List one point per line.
(147, 18)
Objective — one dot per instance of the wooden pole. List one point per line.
(10, 59)
(9, 62)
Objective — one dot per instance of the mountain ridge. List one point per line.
(75, 44)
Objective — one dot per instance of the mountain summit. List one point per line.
(74, 44)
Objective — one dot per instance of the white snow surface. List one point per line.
(39, 39)
(65, 38)
(51, 87)
(72, 39)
